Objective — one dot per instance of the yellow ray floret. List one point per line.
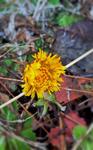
(42, 75)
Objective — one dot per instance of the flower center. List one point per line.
(43, 78)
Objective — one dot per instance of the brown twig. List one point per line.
(5, 87)
(68, 117)
(10, 79)
(77, 90)
(62, 137)
(78, 77)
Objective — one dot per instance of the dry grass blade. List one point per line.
(11, 101)
(79, 58)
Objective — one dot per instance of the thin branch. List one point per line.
(12, 100)
(78, 77)
(10, 79)
(62, 137)
(19, 120)
(5, 87)
(71, 119)
(77, 90)
(79, 58)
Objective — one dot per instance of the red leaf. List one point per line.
(71, 124)
(54, 136)
(82, 81)
(64, 95)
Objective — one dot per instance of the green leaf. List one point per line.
(12, 144)
(8, 114)
(28, 123)
(54, 2)
(17, 145)
(33, 1)
(28, 133)
(2, 1)
(40, 102)
(91, 135)
(8, 62)
(15, 67)
(23, 146)
(3, 70)
(79, 131)
(2, 143)
(21, 1)
(1, 9)
(39, 43)
(15, 105)
(29, 58)
(87, 145)
(66, 19)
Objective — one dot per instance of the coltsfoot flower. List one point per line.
(42, 75)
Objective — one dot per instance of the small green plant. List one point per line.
(54, 2)
(8, 64)
(65, 19)
(87, 142)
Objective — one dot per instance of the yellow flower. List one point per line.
(42, 75)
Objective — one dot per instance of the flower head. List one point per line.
(42, 75)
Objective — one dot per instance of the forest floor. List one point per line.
(65, 121)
